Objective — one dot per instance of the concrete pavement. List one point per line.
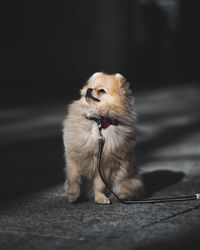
(168, 154)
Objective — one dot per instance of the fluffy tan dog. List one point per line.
(106, 96)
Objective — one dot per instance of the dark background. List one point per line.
(49, 48)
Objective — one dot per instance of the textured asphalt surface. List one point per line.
(168, 154)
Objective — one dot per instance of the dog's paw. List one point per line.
(72, 197)
(102, 200)
(125, 196)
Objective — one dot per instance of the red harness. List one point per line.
(103, 121)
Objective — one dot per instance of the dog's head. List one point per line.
(106, 91)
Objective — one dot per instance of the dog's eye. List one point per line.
(101, 91)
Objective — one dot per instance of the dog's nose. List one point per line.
(89, 91)
(90, 96)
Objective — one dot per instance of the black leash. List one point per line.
(143, 201)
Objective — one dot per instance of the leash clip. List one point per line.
(100, 126)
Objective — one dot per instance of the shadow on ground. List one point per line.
(157, 180)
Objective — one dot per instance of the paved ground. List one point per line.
(168, 154)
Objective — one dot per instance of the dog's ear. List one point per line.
(122, 81)
(92, 77)
(119, 76)
(96, 74)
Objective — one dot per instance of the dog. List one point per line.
(106, 97)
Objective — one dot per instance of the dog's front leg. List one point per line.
(99, 191)
(73, 181)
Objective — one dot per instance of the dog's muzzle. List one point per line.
(89, 95)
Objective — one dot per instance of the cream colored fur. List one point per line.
(81, 141)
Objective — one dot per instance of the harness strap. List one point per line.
(104, 122)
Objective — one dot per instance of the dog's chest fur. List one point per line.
(113, 138)
(90, 146)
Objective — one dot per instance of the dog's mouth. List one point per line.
(89, 96)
